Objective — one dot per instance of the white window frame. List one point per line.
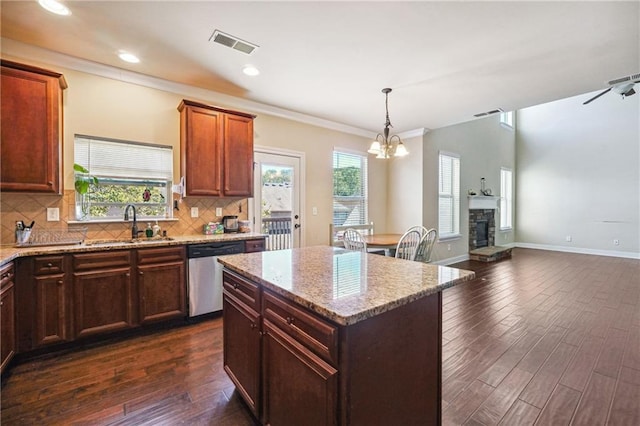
(507, 119)
(449, 193)
(364, 218)
(126, 164)
(506, 199)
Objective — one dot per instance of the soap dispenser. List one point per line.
(149, 231)
(156, 229)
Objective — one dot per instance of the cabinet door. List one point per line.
(299, 387)
(103, 301)
(241, 343)
(51, 311)
(31, 130)
(161, 290)
(201, 151)
(8, 325)
(238, 156)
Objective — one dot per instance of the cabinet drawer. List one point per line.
(251, 246)
(242, 289)
(102, 259)
(6, 274)
(48, 265)
(311, 331)
(160, 255)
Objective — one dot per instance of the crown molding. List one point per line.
(34, 53)
(416, 133)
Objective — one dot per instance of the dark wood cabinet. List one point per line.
(298, 386)
(251, 246)
(216, 151)
(51, 321)
(7, 315)
(161, 284)
(31, 127)
(103, 293)
(241, 342)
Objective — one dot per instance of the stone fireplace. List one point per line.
(482, 228)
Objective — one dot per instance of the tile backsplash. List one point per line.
(33, 207)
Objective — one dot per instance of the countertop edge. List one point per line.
(350, 319)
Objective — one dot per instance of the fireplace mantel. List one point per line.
(483, 202)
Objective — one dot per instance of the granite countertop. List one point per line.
(341, 285)
(10, 252)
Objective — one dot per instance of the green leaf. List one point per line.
(78, 168)
(82, 186)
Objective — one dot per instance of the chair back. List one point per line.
(426, 246)
(408, 245)
(421, 229)
(336, 232)
(353, 240)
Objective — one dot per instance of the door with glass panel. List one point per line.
(276, 202)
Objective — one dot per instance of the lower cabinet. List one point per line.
(161, 284)
(299, 387)
(7, 316)
(102, 292)
(241, 331)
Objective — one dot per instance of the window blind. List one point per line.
(448, 194)
(350, 198)
(123, 159)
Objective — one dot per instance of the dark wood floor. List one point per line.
(547, 338)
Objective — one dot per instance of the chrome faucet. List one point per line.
(134, 227)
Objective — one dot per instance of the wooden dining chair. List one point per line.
(407, 247)
(353, 240)
(426, 246)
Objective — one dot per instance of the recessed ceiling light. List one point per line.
(250, 70)
(128, 57)
(56, 7)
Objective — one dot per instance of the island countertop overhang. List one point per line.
(344, 286)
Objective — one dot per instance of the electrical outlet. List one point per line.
(616, 242)
(218, 211)
(53, 214)
(568, 238)
(314, 211)
(448, 247)
(194, 212)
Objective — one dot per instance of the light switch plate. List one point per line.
(218, 211)
(314, 211)
(194, 212)
(53, 214)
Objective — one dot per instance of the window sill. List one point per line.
(509, 229)
(449, 237)
(139, 219)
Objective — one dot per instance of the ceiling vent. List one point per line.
(629, 78)
(233, 42)
(484, 114)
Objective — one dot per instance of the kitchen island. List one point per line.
(322, 335)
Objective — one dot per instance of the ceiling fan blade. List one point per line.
(596, 96)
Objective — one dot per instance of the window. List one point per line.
(350, 202)
(125, 173)
(506, 198)
(506, 119)
(449, 195)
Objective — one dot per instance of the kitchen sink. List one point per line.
(114, 241)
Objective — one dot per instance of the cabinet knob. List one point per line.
(127, 274)
(50, 183)
(290, 320)
(235, 286)
(141, 273)
(49, 265)
(60, 282)
(253, 325)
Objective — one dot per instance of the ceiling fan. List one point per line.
(622, 86)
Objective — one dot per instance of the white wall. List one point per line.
(484, 147)
(404, 198)
(578, 175)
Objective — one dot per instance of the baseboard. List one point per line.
(451, 260)
(579, 250)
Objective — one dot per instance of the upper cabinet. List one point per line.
(31, 123)
(216, 151)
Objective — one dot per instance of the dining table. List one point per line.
(386, 242)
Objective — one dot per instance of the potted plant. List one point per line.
(83, 181)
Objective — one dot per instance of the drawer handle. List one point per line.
(235, 286)
(253, 325)
(49, 265)
(290, 320)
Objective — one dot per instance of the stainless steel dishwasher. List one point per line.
(205, 275)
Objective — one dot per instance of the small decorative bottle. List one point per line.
(149, 231)
(156, 229)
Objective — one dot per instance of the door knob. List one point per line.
(297, 225)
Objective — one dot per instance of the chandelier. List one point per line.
(383, 146)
